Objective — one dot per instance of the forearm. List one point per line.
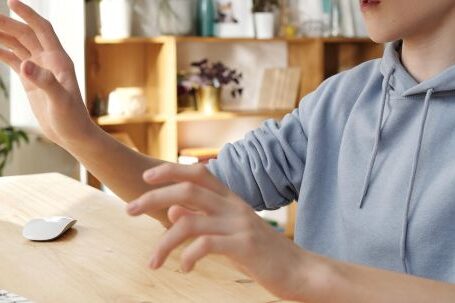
(333, 281)
(115, 165)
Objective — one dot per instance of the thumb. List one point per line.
(43, 79)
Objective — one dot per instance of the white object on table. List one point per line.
(7, 297)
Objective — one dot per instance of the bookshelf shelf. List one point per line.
(115, 120)
(193, 39)
(196, 116)
(152, 63)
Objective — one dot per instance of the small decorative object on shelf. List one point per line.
(264, 18)
(312, 15)
(176, 17)
(205, 18)
(10, 137)
(234, 19)
(98, 107)
(331, 18)
(288, 19)
(127, 102)
(116, 19)
(206, 82)
(186, 92)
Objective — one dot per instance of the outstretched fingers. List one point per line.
(186, 194)
(197, 174)
(205, 245)
(41, 27)
(188, 227)
(10, 59)
(22, 32)
(15, 46)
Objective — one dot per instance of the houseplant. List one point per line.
(10, 137)
(206, 81)
(264, 18)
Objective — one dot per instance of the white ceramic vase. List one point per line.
(115, 19)
(264, 25)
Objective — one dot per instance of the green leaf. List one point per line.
(24, 136)
(9, 138)
(3, 88)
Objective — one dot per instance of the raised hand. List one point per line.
(47, 74)
(201, 208)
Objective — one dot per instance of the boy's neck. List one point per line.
(431, 50)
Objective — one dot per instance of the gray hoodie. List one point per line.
(370, 158)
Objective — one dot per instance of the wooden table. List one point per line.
(103, 259)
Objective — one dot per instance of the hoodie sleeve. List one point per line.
(266, 167)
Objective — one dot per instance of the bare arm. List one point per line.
(117, 166)
(334, 281)
(224, 224)
(47, 74)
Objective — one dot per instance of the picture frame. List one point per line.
(234, 19)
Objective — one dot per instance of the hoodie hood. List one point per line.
(404, 84)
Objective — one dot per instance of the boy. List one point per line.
(368, 156)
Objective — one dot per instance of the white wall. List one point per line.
(40, 155)
(4, 72)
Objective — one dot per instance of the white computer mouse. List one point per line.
(47, 229)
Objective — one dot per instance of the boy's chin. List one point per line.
(381, 36)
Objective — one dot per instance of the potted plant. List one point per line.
(10, 137)
(206, 82)
(264, 18)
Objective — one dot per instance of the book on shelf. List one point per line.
(338, 17)
(279, 88)
(347, 18)
(359, 23)
(197, 155)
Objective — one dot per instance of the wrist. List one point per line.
(319, 278)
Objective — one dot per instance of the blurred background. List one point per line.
(177, 79)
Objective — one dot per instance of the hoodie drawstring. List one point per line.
(366, 182)
(404, 233)
(374, 153)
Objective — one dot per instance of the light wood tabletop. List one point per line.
(104, 257)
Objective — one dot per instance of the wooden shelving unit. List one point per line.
(152, 63)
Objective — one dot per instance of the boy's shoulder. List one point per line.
(356, 78)
(337, 95)
(345, 87)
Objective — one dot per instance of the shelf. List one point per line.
(131, 40)
(196, 116)
(194, 39)
(118, 120)
(188, 117)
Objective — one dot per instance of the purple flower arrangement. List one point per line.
(205, 73)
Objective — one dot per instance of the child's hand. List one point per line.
(47, 74)
(201, 208)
